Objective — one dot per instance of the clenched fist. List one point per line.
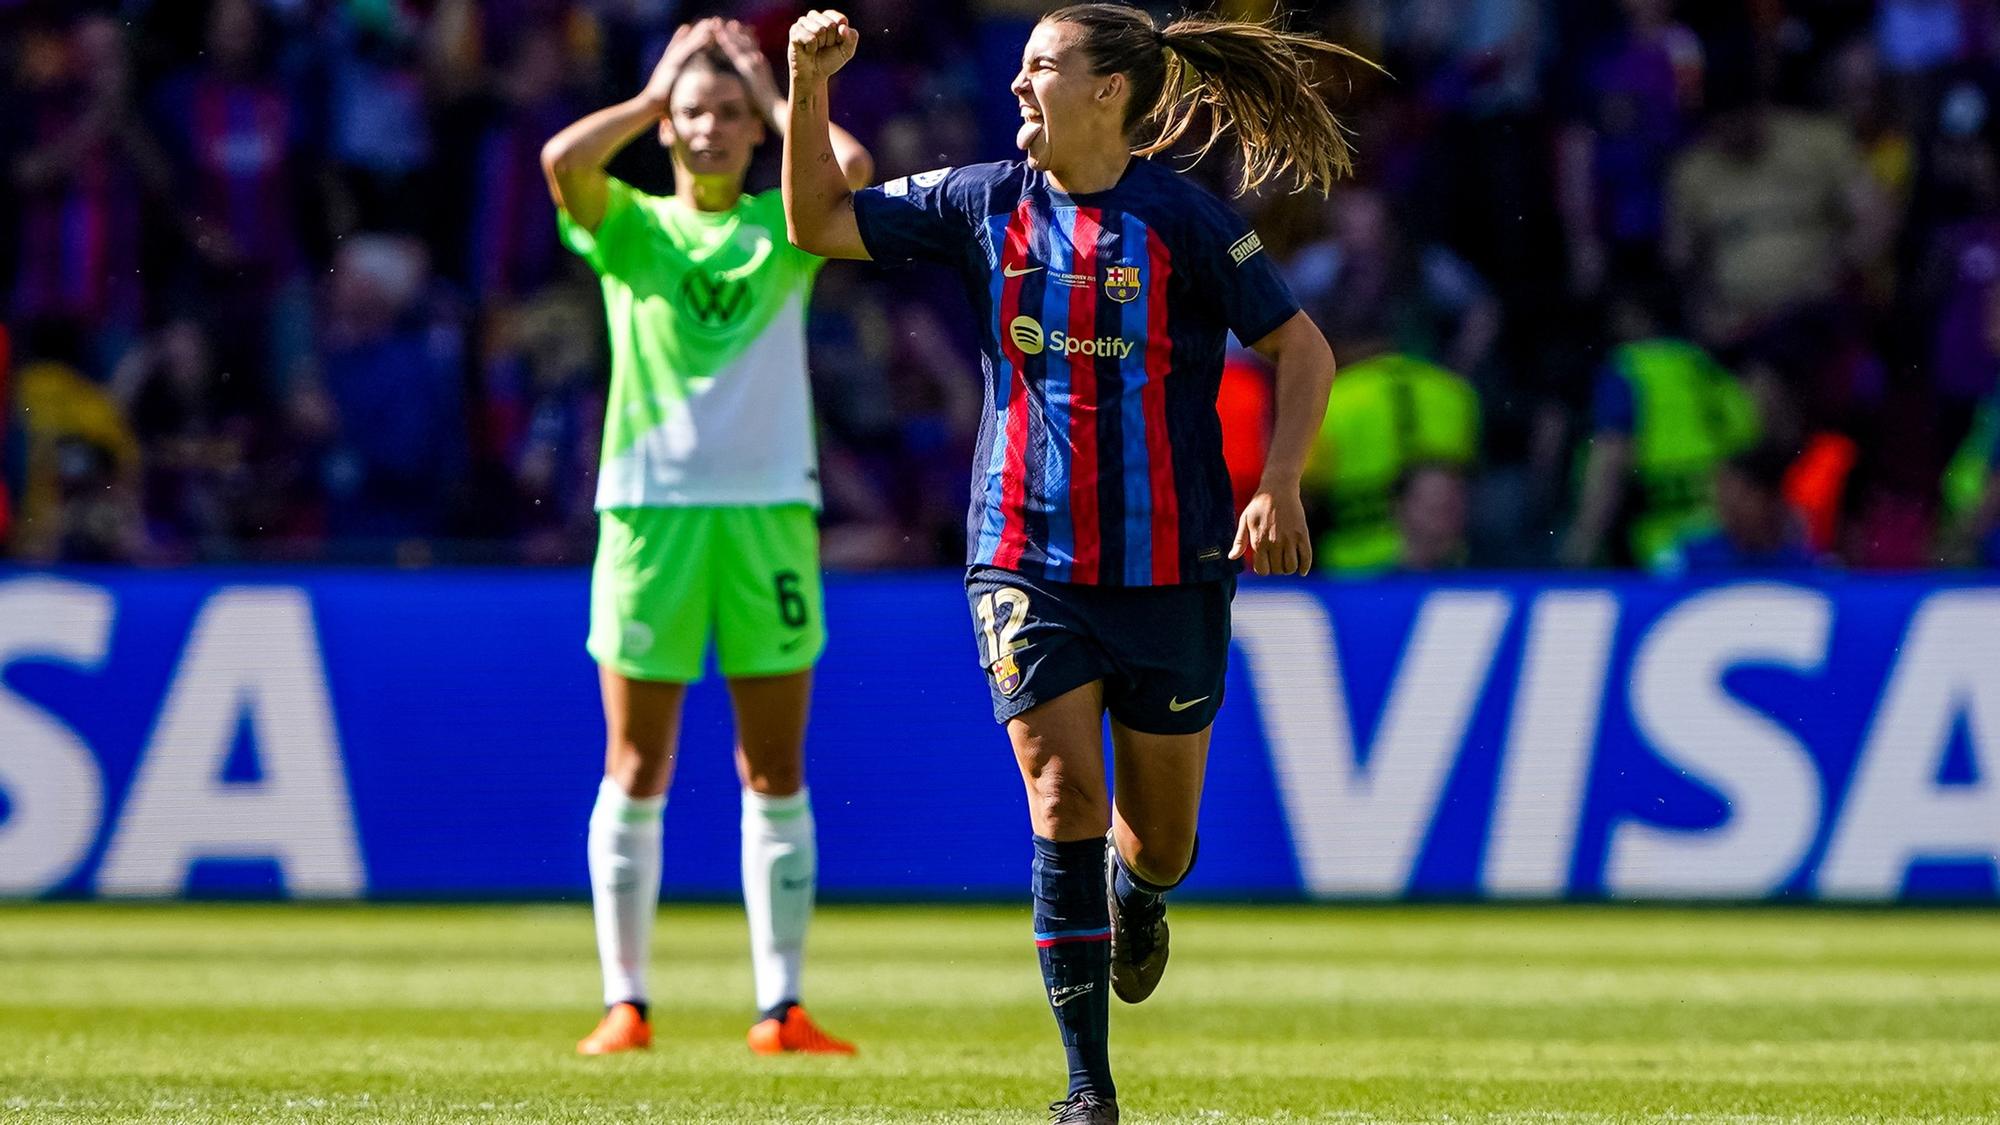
(821, 44)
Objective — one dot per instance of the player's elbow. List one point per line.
(859, 168)
(800, 232)
(813, 229)
(557, 158)
(1299, 345)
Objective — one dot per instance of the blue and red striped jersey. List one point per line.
(1104, 322)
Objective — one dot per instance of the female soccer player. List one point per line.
(1102, 559)
(707, 494)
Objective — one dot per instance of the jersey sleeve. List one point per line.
(620, 204)
(1256, 300)
(1613, 407)
(925, 217)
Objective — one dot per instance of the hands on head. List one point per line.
(734, 41)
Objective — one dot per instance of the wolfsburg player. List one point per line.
(707, 495)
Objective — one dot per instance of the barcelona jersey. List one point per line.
(1105, 318)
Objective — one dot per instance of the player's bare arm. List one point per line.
(819, 195)
(1272, 529)
(574, 160)
(739, 45)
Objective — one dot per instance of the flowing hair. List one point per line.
(1255, 79)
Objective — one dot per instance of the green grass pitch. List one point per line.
(1417, 1014)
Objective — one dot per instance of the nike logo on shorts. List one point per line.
(1175, 705)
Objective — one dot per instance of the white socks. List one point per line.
(780, 868)
(624, 886)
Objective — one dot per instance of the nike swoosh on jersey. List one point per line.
(1176, 705)
(1010, 271)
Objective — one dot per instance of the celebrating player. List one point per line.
(707, 496)
(1102, 559)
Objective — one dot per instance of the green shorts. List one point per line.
(666, 578)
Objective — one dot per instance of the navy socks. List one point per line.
(1073, 936)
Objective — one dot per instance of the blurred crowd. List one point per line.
(1694, 286)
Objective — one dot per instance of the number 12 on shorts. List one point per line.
(1002, 613)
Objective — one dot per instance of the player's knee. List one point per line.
(1161, 859)
(1062, 804)
(774, 781)
(639, 771)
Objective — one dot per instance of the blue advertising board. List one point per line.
(388, 735)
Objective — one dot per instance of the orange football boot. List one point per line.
(621, 1029)
(795, 1032)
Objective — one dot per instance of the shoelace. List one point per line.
(1142, 932)
(1076, 1108)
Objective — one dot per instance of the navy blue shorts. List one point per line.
(1161, 651)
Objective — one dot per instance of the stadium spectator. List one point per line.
(1635, 106)
(1432, 512)
(505, 243)
(80, 460)
(1664, 414)
(380, 139)
(82, 164)
(205, 162)
(1767, 214)
(1861, 97)
(1972, 489)
(242, 150)
(192, 420)
(390, 374)
(544, 409)
(1755, 528)
(1388, 414)
(1370, 287)
(1957, 289)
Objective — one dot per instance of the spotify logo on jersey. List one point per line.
(1026, 332)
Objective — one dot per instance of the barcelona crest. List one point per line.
(1121, 283)
(1006, 675)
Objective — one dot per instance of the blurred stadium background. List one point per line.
(1658, 566)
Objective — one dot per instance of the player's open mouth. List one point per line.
(1031, 128)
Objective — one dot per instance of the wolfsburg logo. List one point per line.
(1244, 247)
(1027, 335)
(716, 302)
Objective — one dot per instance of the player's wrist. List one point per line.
(1281, 481)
